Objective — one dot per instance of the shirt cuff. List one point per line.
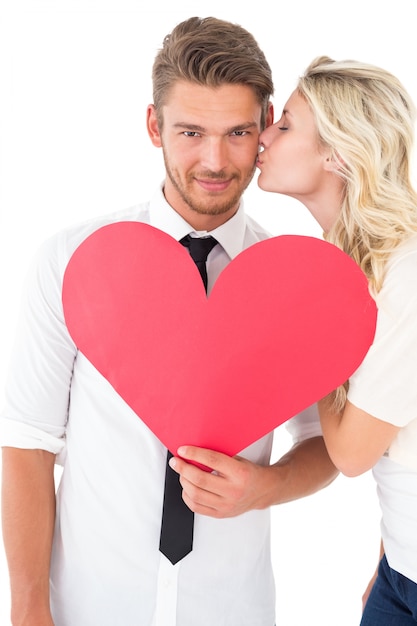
(16, 434)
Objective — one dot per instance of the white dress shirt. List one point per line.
(106, 568)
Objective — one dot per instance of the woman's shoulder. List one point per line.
(402, 266)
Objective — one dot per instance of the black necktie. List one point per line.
(176, 539)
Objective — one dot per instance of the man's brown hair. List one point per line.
(211, 52)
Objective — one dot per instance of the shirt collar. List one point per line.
(230, 235)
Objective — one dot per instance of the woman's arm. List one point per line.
(373, 579)
(355, 440)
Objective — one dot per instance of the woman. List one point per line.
(343, 147)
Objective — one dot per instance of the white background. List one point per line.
(75, 81)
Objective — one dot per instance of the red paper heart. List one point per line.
(287, 321)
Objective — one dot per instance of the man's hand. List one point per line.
(231, 488)
(235, 485)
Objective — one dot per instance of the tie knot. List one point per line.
(199, 247)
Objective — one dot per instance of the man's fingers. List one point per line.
(215, 461)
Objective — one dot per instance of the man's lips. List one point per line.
(215, 185)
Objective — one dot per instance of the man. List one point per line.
(92, 557)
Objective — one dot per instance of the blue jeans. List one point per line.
(392, 601)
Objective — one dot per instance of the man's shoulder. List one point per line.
(72, 236)
(58, 248)
(134, 213)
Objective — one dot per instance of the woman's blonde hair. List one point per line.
(364, 114)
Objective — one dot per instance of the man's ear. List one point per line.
(270, 115)
(152, 126)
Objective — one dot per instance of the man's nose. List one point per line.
(215, 154)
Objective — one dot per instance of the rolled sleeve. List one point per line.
(40, 372)
(16, 434)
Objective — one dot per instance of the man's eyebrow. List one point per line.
(201, 129)
(244, 126)
(193, 127)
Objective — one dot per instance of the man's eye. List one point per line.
(239, 133)
(191, 133)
